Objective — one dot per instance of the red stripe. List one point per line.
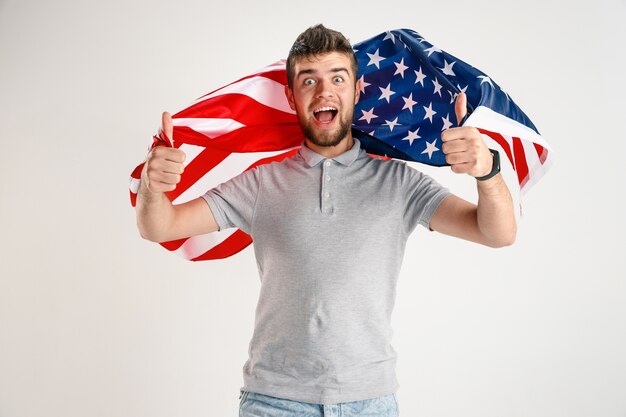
(239, 107)
(542, 153)
(266, 138)
(233, 244)
(279, 75)
(520, 162)
(502, 142)
(173, 245)
(384, 158)
(185, 134)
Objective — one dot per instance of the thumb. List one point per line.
(460, 108)
(167, 128)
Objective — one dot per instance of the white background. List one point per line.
(94, 321)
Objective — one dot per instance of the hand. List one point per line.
(164, 165)
(465, 150)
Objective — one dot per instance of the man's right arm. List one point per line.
(158, 219)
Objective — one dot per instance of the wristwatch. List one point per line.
(495, 168)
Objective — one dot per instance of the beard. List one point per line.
(326, 138)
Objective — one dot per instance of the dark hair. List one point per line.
(318, 40)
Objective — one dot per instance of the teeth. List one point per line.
(327, 108)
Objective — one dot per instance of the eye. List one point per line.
(309, 81)
(338, 79)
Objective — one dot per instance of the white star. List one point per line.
(368, 115)
(363, 84)
(432, 50)
(420, 76)
(446, 122)
(452, 96)
(400, 68)
(430, 148)
(375, 59)
(393, 123)
(391, 36)
(409, 102)
(447, 68)
(455, 95)
(429, 112)
(437, 87)
(386, 93)
(411, 136)
(485, 79)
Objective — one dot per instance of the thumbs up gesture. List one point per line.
(465, 150)
(164, 164)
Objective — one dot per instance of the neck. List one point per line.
(331, 151)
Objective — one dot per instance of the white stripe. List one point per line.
(134, 185)
(261, 89)
(486, 118)
(191, 152)
(492, 144)
(536, 170)
(198, 245)
(210, 128)
(230, 167)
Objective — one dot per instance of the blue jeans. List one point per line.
(258, 405)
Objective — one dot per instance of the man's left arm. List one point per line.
(491, 222)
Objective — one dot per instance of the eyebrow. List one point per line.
(313, 71)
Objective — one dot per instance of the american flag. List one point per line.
(408, 88)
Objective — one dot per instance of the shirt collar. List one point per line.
(347, 158)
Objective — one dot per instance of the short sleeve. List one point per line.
(423, 194)
(233, 202)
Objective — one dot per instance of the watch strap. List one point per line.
(495, 167)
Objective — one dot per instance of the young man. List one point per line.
(329, 228)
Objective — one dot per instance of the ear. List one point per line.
(357, 92)
(289, 94)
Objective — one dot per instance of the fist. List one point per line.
(164, 165)
(465, 150)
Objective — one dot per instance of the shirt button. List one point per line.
(327, 177)
(327, 195)
(327, 163)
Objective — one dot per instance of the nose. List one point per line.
(324, 89)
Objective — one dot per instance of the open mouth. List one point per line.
(325, 114)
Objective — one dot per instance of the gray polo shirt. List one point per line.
(329, 238)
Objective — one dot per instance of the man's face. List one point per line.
(323, 96)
